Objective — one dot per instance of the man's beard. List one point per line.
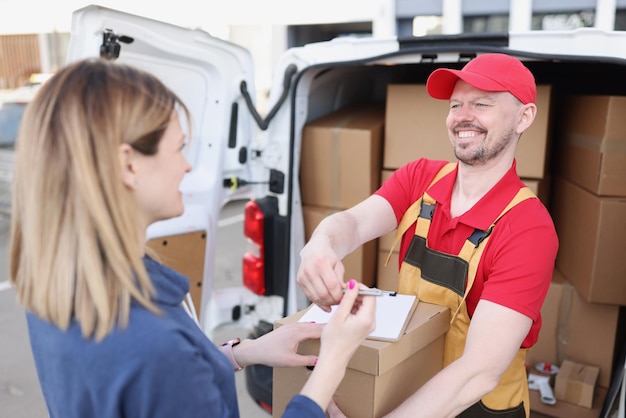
(483, 153)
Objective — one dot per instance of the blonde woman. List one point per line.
(99, 159)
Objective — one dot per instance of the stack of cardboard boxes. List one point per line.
(588, 204)
(340, 166)
(347, 154)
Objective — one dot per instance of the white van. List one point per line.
(237, 154)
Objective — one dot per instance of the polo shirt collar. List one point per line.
(483, 213)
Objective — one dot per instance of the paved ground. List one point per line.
(20, 396)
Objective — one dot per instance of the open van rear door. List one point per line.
(206, 73)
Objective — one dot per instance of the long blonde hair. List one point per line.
(76, 248)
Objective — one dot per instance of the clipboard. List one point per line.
(393, 312)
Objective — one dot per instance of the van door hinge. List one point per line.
(110, 48)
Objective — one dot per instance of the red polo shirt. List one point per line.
(516, 267)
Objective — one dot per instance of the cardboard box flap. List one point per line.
(360, 117)
(374, 357)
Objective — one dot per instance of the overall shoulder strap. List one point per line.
(411, 214)
(473, 247)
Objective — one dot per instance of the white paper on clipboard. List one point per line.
(393, 312)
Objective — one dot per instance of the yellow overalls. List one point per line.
(446, 279)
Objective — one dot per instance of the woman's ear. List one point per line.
(126, 156)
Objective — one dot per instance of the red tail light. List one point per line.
(253, 259)
(265, 406)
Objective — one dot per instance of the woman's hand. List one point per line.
(279, 348)
(353, 320)
(348, 326)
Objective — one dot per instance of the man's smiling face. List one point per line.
(481, 124)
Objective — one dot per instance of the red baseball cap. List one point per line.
(489, 72)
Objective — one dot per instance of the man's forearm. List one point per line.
(447, 394)
(338, 230)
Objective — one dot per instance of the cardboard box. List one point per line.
(415, 126)
(380, 375)
(386, 241)
(387, 278)
(592, 146)
(385, 173)
(592, 238)
(575, 329)
(361, 263)
(566, 409)
(575, 383)
(341, 156)
(541, 188)
(547, 348)
(533, 149)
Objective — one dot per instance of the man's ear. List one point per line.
(527, 116)
(126, 156)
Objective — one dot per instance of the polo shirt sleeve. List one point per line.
(521, 262)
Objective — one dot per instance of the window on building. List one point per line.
(298, 35)
(563, 21)
(426, 25)
(486, 24)
(620, 19)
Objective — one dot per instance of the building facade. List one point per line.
(24, 54)
(457, 16)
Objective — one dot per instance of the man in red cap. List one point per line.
(472, 237)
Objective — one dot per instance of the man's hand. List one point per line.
(320, 275)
